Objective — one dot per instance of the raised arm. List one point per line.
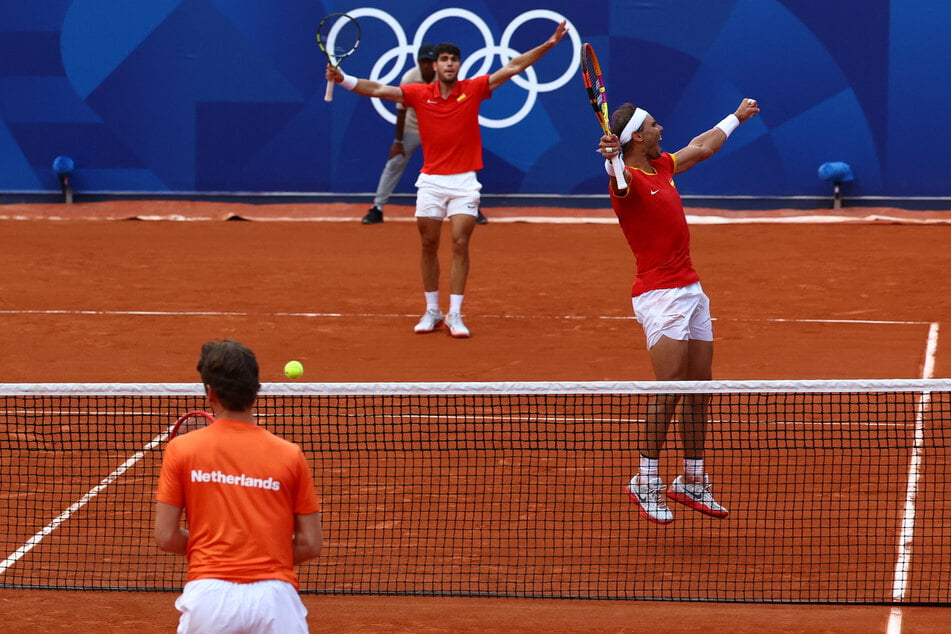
(364, 87)
(523, 61)
(705, 145)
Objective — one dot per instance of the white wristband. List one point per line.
(608, 167)
(729, 124)
(349, 82)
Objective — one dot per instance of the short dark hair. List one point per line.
(446, 47)
(231, 369)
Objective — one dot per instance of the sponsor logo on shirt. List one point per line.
(218, 477)
(461, 97)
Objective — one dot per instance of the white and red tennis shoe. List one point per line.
(697, 496)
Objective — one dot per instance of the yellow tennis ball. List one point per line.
(293, 369)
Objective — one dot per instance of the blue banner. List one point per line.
(185, 96)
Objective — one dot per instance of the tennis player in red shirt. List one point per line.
(448, 115)
(251, 505)
(667, 297)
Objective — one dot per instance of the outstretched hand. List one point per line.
(558, 34)
(747, 109)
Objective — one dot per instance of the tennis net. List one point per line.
(836, 489)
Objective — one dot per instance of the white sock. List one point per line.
(648, 468)
(455, 304)
(432, 300)
(693, 470)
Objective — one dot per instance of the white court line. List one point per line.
(900, 583)
(314, 315)
(85, 499)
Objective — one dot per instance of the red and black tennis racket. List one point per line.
(190, 422)
(598, 96)
(338, 36)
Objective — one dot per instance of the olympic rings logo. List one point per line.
(405, 52)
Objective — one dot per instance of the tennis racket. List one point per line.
(190, 422)
(597, 95)
(338, 36)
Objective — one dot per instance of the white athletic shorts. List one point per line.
(442, 195)
(216, 606)
(679, 313)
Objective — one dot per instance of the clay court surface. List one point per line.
(128, 291)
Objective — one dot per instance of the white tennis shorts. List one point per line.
(679, 313)
(216, 606)
(442, 195)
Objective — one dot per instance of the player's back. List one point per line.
(240, 483)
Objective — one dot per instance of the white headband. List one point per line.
(637, 120)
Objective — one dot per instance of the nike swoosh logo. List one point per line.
(654, 191)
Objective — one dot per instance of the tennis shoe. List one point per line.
(480, 219)
(650, 501)
(456, 327)
(430, 320)
(373, 217)
(699, 497)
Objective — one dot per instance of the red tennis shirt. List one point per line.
(651, 215)
(449, 128)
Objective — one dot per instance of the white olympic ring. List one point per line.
(405, 53)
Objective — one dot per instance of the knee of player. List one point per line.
(460, 244)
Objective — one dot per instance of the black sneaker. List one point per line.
(374, 216)
(480, 219)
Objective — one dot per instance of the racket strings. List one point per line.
(593, 75)
(340, 37)
(190, 422)
(346, 40)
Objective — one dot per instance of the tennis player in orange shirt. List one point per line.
(252, 509)
(667, 297)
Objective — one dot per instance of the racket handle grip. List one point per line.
(619, 173)
(329, 94)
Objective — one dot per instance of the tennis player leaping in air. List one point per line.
(448, 114)
(667, 297)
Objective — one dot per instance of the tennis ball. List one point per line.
(293, 369)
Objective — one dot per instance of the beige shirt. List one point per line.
(412, 76)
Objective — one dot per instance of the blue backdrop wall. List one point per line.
(182, 96)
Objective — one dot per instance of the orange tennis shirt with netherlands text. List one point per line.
(449, 128)
(651, 214)
(240, 486)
